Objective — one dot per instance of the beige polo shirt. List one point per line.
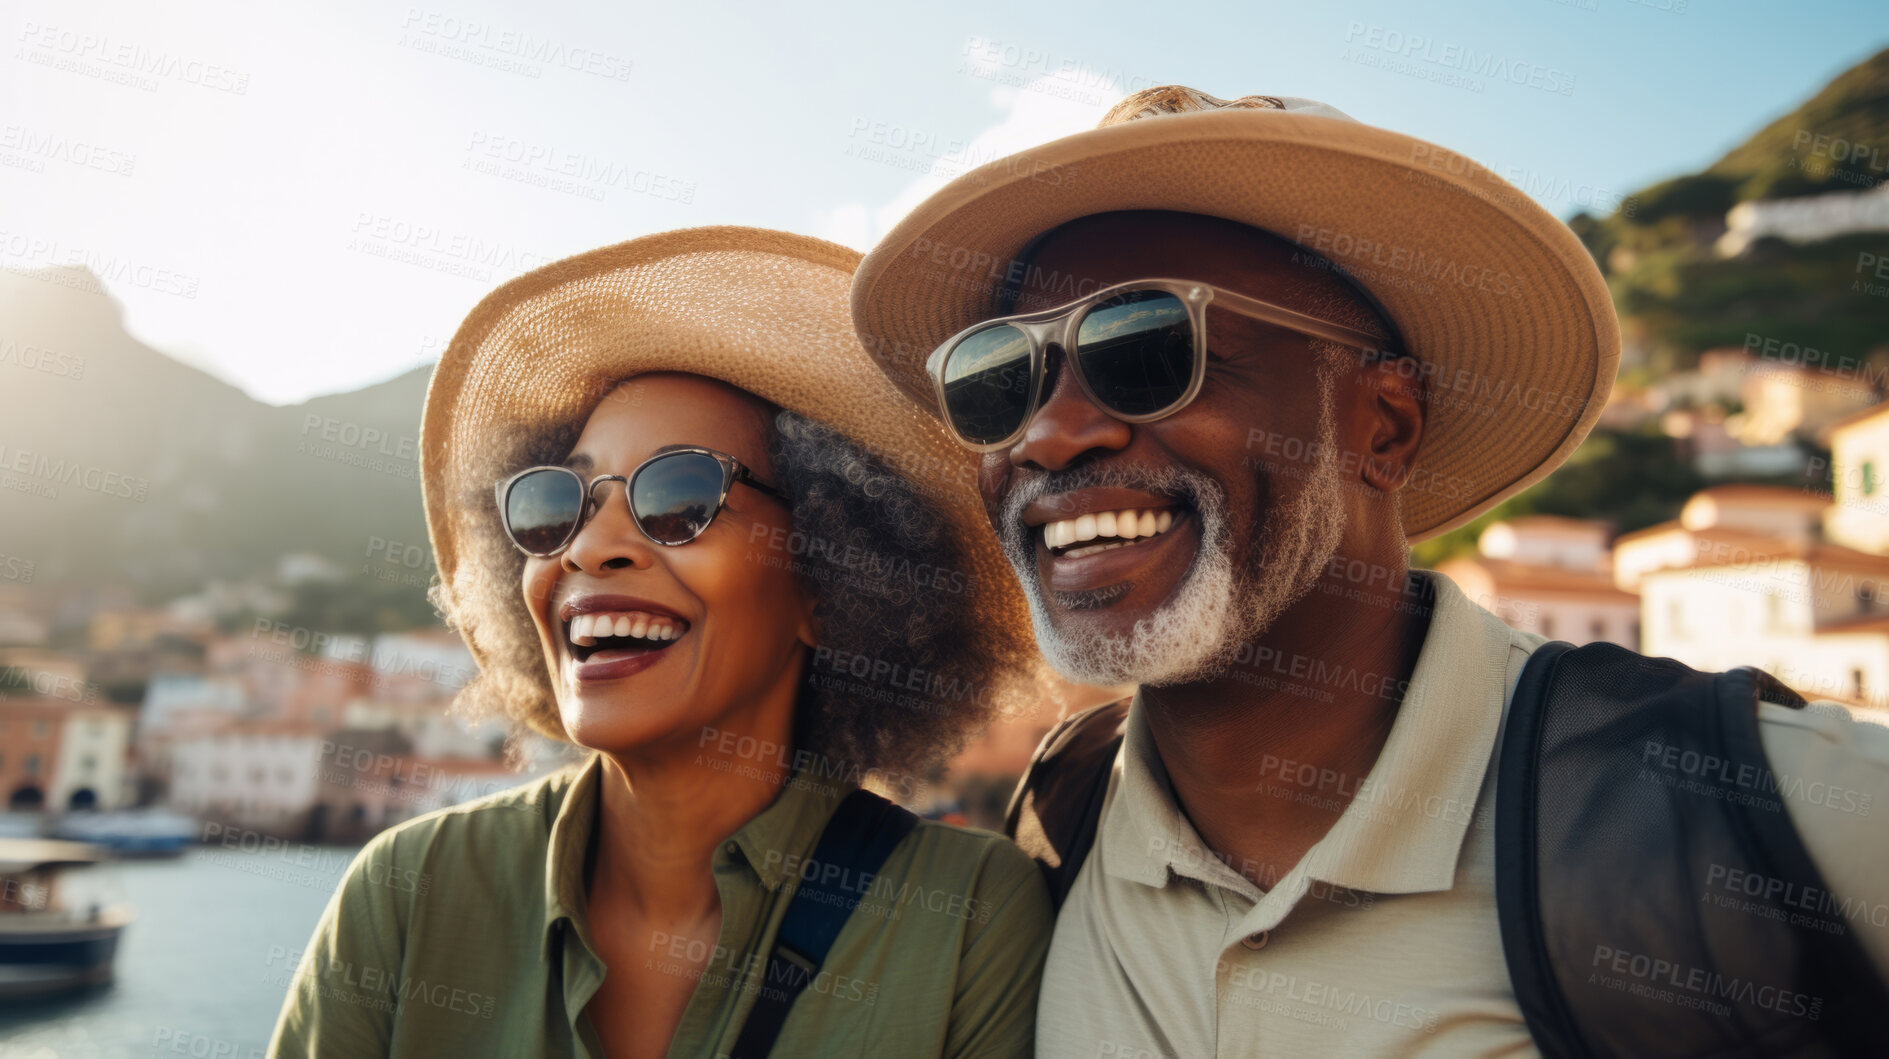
(1383, 939)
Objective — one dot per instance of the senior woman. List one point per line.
(684, 524)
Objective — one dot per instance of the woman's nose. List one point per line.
(609, 539)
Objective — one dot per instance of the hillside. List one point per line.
(1677, 297)
(124, 466)
(1838, 140)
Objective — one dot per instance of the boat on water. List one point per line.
(131, 832)
(54, 936)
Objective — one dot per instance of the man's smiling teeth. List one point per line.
(587, 629)
(1116, 528)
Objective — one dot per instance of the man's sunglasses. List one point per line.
(1138, 350)
(673, 497)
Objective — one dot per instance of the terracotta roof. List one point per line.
(252, 726)
(1511, 576)
(1746, 548)
(1751, 540)
(1562, 522)
(1781, 494)
(1839, 555)
(1860, 623)
(1852, 419)
(13, 699)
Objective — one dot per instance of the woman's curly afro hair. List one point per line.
(901, 678)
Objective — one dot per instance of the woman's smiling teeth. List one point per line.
(1110, 529)
(587, 629)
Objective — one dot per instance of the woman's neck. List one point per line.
(661, 816)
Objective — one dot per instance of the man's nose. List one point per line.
(1068, 424)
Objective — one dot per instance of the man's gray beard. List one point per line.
(1199, 631)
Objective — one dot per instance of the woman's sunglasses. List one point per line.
(673, 497)
(1138, 350)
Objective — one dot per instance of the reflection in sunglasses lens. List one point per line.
(675, 496)
(1137, 351)
(987, 384)
(542, 509)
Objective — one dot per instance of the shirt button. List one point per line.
(1257, 941)
(731, 849)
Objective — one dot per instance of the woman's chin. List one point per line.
(617, 726)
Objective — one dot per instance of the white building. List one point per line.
(169, 694)
(91, 769)
(421, 663)
(1772, 577)
(1783, 401)
(1859, 456)
(1806, 219)
(433, 731)
(1550, 575)
(1813, 617)
(1723, 524)
(262, 774)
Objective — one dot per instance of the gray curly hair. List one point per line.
(902, 676)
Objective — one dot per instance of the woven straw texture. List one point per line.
(1500, 301)
(762, 310)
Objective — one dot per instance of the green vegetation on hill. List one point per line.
(1838, 140)
(1677, 302)
(357, 604)
(1675, 295)
(1633, 478)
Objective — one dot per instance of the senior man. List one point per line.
(1226, 359)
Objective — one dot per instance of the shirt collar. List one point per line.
(1404, 827)
(569, 846)
(781, 837)
(775, 843)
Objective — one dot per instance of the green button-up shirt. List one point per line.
(464, 933)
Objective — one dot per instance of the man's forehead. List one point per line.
(1087, 254)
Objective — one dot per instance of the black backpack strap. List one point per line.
(1057, 807)
(1516, 866)
(861, 834)
(1631, 789)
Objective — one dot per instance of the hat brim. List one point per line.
(762, 310)
(1505, 310)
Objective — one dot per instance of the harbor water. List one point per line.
(203, 968)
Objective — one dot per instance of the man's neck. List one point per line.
(1264, 758)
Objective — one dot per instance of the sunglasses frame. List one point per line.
(1059, 325)
(732, 471)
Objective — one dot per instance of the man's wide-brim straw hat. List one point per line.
(1504, 309)
(763, 310)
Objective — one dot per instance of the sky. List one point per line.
(305, 198)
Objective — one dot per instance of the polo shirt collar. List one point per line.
(774, 844)
(1403, 829)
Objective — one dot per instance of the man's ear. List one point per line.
(1397, 405)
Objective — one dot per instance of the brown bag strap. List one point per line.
(1055, 810)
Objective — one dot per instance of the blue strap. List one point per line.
(858, 838)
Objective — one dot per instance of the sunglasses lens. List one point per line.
(542, 508)
(987, 384)
(675, 497)
(1137, 351)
